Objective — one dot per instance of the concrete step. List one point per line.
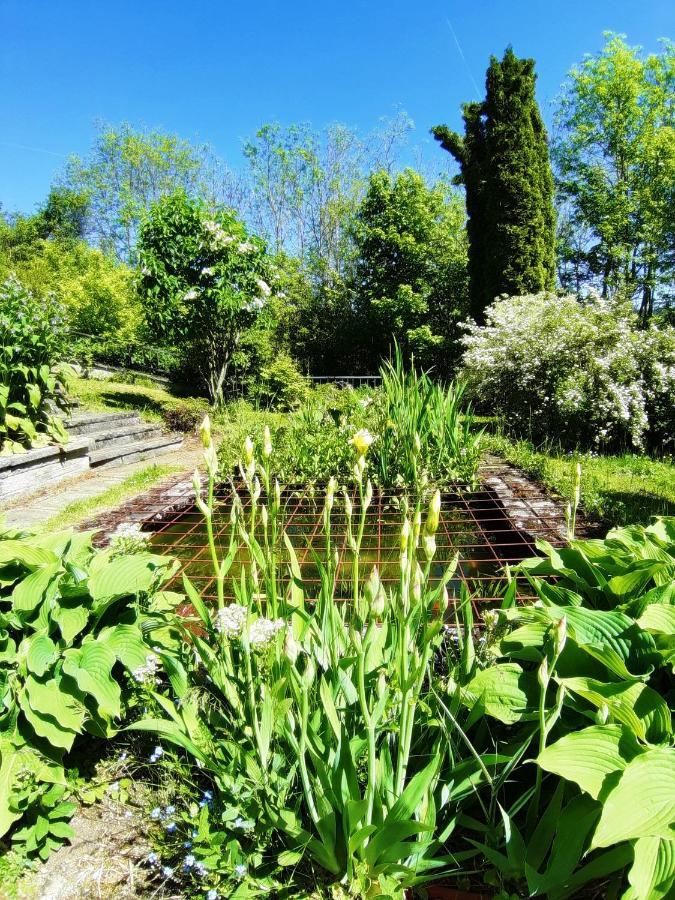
(134, 451)
(124, 434)
(90, 422)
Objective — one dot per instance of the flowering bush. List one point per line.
(204, 283)
(31, 344)
(578, 372)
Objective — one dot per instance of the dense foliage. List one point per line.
(73, 621)
(31, 386)
(578, 373)
(506, 171)
(616, 169)
(410, 271)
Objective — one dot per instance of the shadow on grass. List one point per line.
(130, 399)
(632, 508)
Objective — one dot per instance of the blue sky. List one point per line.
(215, 71)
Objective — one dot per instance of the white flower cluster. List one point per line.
(580, 371)
(147, 672)
(231, 621)
(217, 235)
(263, 631)
(128, 538)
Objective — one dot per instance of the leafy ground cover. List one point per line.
(615, 489)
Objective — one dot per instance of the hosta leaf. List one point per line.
(28, 593)
(652, 875)
(503, 691)
(660, 618)
(126, 642)
(23, 553)
(643, 802)
(588, 756)
(46, 726)
(123, 575)
(632, 703)
(41, 654)
(52, 697)
(91, 667)
(71, 617)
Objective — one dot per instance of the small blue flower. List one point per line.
(195, 833)
(207, 796)
(170, 827)
(153, 858)
(123, 756)
(212, 894)
(189, 861)
(156, 813)
(170, 810)
(167, 871)
(240, 870)
(187, 844)
(199, 869)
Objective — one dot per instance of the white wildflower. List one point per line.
(230, 621)
(263, 631)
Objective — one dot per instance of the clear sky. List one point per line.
(217, 70)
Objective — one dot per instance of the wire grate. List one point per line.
(474, 524)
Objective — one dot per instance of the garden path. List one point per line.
(34, 510)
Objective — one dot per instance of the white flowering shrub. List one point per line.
(578, 373)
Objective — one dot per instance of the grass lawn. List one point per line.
(615, 490)
(96, 394)
(111, 497)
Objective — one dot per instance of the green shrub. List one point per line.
(73, 630)
(581, 372)
(280, 385)
(185, 415)
(32, 340)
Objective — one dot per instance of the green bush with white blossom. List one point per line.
(580, 372)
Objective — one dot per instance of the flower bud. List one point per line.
(257, 490)
(433, 514)
(444, 602)
(330, 493)
(248, 450)
(211, 460)
(291, 647)
(602, 715)
(348, 505)
(560, 636)
(263, 516)
(417, 443)
(309, 674)
(277, 493)
(267, 443)
(490, 619)
(417, 585)
(542, 673)
(429, 543)
(205, 432)
(197, 484)
(405, 535)
(381, 685)
(368, 495)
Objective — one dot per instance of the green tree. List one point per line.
(505, 169)
(410, 271)
(615, 155)
(127, 170)
(204, 284)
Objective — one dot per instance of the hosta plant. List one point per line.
(78, 628)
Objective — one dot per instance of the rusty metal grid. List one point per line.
(474, 523)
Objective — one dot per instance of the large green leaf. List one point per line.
(126, 642)
(41, 654)
(504, 692)
(660, 618)
(642, 804)
(632, 703)
(71, 616)
(123, 575)
(25, 554)
(91, 667)
(29, 593)
(652, 875)
(53, 697)
(588, 756)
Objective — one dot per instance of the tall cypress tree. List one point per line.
(506, 171)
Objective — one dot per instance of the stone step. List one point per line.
(135, 450)
(124, 434)
(90, 422)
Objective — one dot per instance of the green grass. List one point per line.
(104, 395)
(615, 490)
(111, 497)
